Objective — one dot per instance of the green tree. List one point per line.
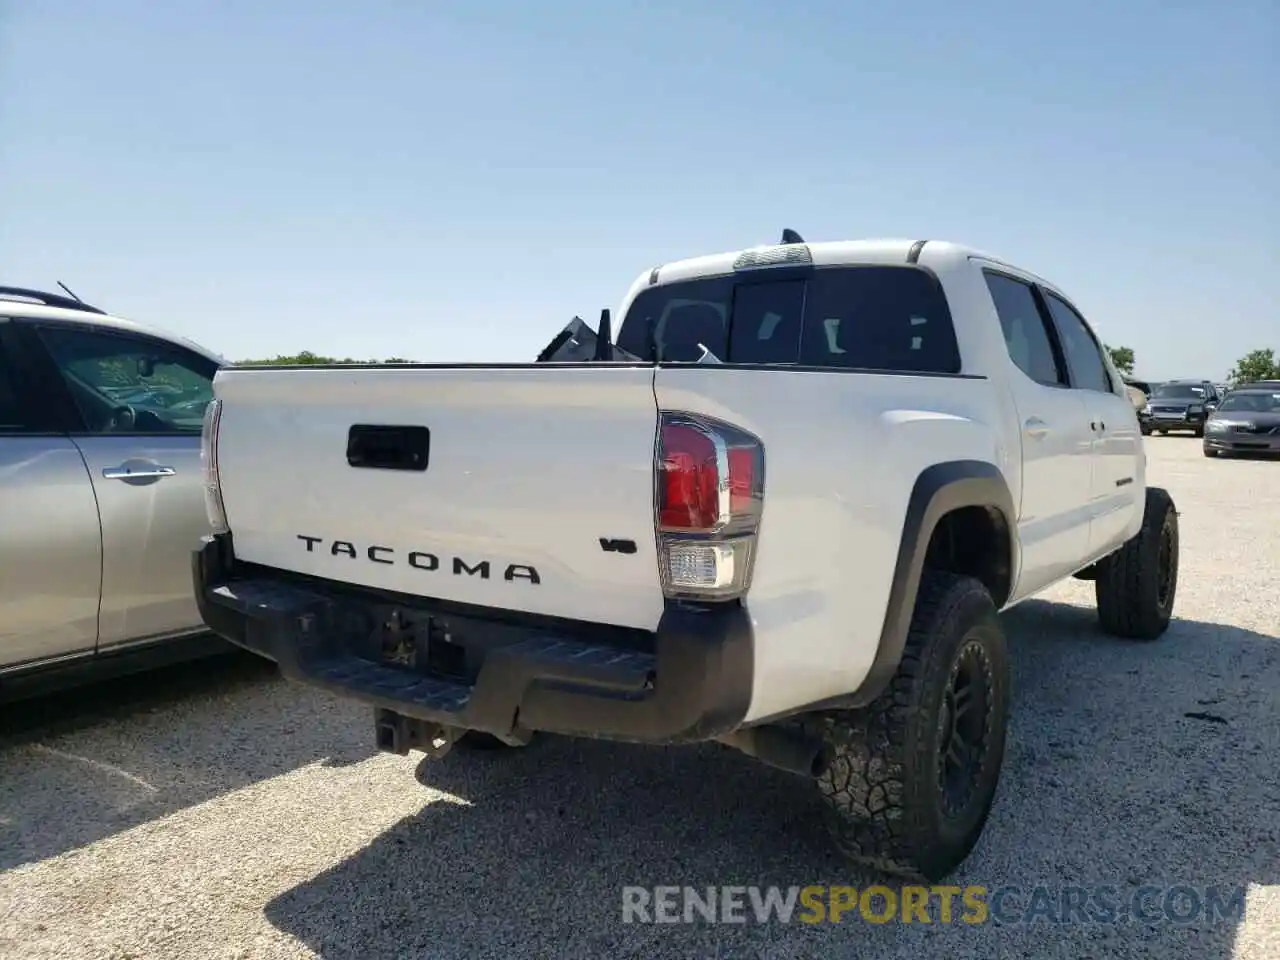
(1122, 357)
(1256, 365)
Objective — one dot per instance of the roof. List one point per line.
(825, 253)
(86, 317)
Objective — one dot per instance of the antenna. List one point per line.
(70, 291)
(790, 236)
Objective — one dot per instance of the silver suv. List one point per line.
(101, 498)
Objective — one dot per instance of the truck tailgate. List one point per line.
(527, 470)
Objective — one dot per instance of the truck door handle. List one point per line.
(148, 473)
(1036, 428)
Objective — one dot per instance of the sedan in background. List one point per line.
(101, 493)
(1247, 421)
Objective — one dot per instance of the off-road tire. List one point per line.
(885, 803)
(1136, 586)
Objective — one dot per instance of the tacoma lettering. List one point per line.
(421, 560)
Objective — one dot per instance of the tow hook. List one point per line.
(783, 748)
(398, 734)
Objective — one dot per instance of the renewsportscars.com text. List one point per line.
(939, 904)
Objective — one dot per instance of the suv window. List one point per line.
(126, 384)
(12, 419)
(862, 317)
(1181, 391)
(1084, 359)
(1025, 335)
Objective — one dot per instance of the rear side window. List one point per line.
(1025, 335)
(871, 318)
(11, 416)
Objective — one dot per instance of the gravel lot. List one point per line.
(218, 812)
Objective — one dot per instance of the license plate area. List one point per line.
(421, 641)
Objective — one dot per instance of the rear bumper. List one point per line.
(489, 670)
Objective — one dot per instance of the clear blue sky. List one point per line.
(456, 180)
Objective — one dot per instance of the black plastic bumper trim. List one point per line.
(694, 685)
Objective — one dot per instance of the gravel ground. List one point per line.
(217, 812)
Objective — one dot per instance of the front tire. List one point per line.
(911, 778)
(1136, 585)
(1210, 453)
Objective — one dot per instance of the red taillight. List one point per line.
(742, 479)
(710, 474)
(710, 492)
(690, 483)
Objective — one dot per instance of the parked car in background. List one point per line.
(1247, 421)
(1139, 391)
(101, 497)
(1181, 405)
(1257, 384)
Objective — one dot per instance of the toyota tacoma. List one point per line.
(780, 510)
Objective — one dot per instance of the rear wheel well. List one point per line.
(974, 542)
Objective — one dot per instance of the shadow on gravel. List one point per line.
(113, 755)
(1114, 778)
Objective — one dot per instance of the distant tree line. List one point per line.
(1255, 365)
(307, 358)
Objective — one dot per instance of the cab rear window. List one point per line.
(861, 317)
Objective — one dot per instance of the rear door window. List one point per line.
(862, 317)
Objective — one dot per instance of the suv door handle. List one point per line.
(150, 473)
(1036, 428)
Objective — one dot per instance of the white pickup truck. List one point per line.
(784, 521)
